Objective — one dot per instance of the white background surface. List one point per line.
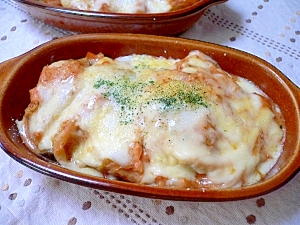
(269, 29)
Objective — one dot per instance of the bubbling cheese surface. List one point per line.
(151, 120)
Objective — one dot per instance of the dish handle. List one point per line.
(5, 68)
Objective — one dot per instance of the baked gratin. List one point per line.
(125, 6)
(150, 120)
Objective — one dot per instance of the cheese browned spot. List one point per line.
(151, 120)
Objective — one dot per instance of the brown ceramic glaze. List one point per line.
(171, 23)
(20, 74)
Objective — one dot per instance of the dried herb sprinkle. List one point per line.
(133, 94)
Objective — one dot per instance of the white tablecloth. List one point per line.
(269, 29)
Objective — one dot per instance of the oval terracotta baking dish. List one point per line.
(168, 23)
(20, 74)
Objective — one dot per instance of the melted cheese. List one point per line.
(126, 6)
(156, 121)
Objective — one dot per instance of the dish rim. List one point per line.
(187, 11)
(40, 165)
